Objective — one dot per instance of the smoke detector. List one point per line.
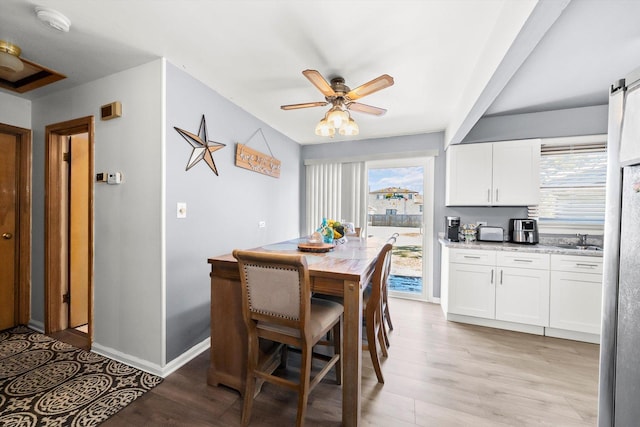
(53, 19)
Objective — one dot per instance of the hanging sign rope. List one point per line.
(254, 160)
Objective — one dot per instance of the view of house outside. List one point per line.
(395, 205)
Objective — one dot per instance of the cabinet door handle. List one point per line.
(522, 260)
(492, 271)
(488, 195)
(471, 256)
(497, 198)
(501, 272)
(586, 265)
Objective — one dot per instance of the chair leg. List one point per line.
(387, 316)
(337, 349)
(250, 381)
(381, 335)
(373, 351)
(305, 379)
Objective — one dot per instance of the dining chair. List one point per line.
(277, 305)
(373, 310)
(386, 316)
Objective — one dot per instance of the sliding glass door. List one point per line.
(400, 201)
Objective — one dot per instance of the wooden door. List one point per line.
(8, 230)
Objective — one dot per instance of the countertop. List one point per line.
(517, 247)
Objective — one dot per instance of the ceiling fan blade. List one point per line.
(364, 108)
(319, 82)
(304, 105)
(370, 87)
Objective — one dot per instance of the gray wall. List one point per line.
(547, 124)
(128, 285)
(222, 211)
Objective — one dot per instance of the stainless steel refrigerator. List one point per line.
(619, 387)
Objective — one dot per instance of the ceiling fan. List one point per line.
(342, 98)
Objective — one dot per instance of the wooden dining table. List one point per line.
(344, 271)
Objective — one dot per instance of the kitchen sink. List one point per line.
(580, 247)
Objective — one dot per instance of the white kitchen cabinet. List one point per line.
(522, 288)
(472, 290)
(505, 173)
(471, 287)
(576, 293)
(522, 296)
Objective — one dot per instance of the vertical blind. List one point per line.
(572, 185)
(335, 191)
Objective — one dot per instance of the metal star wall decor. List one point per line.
(202, 147)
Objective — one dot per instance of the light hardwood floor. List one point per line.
(438, 373)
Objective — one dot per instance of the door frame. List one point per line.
(55, 135)
(428, 176)
(23, 272)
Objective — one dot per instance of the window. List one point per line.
(572, 186)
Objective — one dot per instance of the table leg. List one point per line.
(352, 354)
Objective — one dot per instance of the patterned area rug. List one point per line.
(44, 382)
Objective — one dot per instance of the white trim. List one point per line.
(152, 368)
(374, 157)
(572, 335)
(186, 357)
(497, 324)
(163, 217)
(428, 240)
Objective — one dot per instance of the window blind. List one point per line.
(572, 185)
(335, 191)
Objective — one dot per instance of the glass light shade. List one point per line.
(324, 128)
(349, 128)
(337, 117)
(9, 60)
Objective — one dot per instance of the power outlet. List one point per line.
(262, 224)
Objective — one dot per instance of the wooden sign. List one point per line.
(256, 161)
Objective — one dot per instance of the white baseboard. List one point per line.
(36, 325)
(572, 335)
(127, 359)
(152, 368)
(498, 324)
(186, 357)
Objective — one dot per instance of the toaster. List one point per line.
(487, 233)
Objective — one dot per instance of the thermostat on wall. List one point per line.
(111, 111)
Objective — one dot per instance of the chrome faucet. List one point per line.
(582, 239)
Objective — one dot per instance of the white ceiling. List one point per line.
(452, 60)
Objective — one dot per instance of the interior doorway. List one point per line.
(69, 230)
(400, 201)
(15, 226)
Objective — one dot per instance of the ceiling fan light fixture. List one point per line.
(323, 128)
(337, 116)
(349, 128)
(10, 57)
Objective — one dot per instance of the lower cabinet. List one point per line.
(576, 293)
(555, 295)
(522, 289)
(472, 290)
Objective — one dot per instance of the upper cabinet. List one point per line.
(505, 173)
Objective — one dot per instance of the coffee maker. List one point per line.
(452, 228)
